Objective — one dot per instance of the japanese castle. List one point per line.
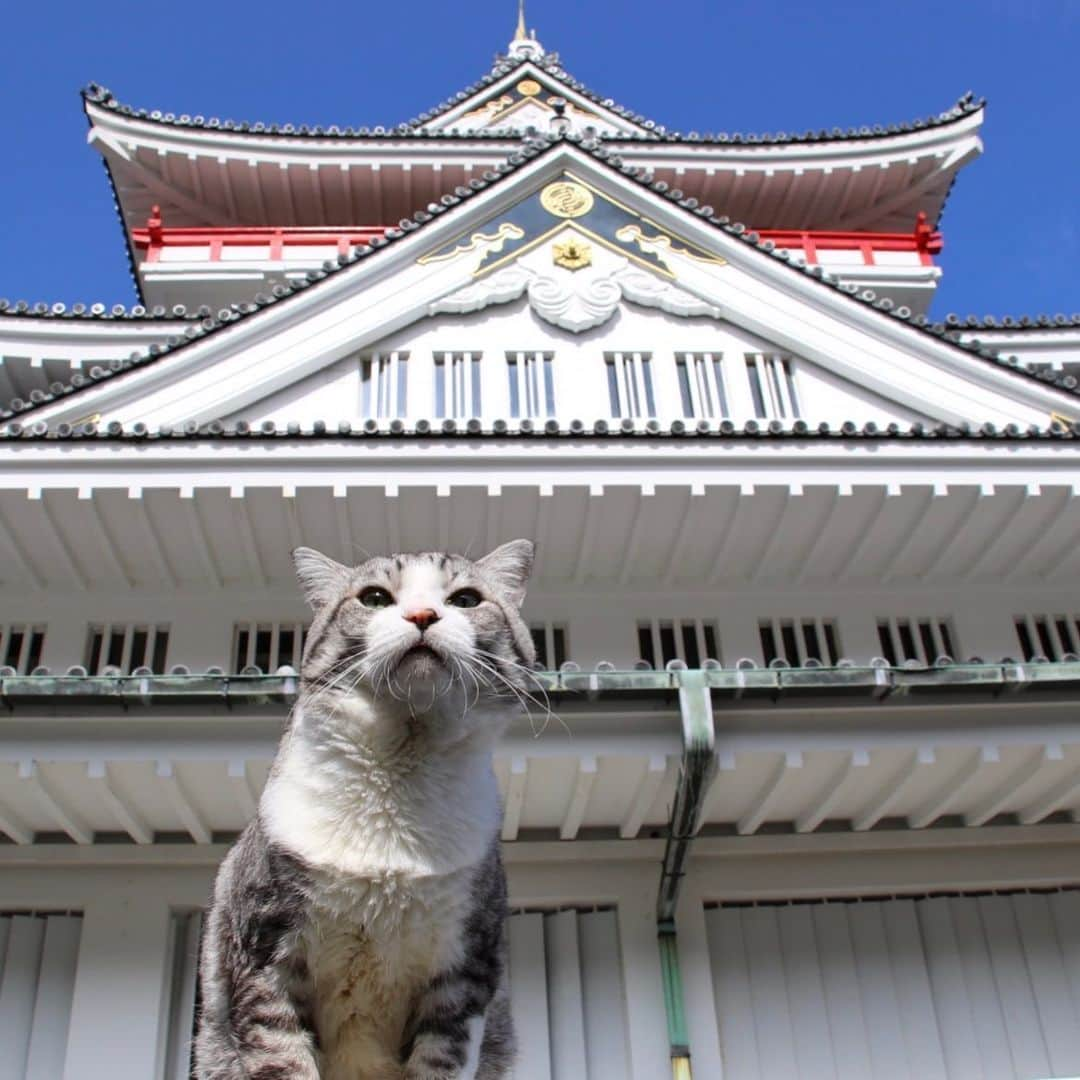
(799, 795)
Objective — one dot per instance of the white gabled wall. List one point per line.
(581, 387)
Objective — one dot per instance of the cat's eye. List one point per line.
(374, 597)
(464, 598)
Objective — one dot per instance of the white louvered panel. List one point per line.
(731, 979)
(383, 385)
(776, 1047)
(52, 1004)
(528, 996)
(458, 385)
(530, 384)
(957, 988)
(185, 971)
(566, 1009)
(37, 980)
(604, 999)
(806, 994)
(568, 996)
(850, 1040)
(1049, 980)
(1013, 984)
(701, 385)
(880, 1004)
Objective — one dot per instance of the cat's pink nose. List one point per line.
(422, 617)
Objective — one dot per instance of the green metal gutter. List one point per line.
(753, 684)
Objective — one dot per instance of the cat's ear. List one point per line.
(320, 577)
(509, 566)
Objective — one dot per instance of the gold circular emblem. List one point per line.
(529, 88)
(566, 199)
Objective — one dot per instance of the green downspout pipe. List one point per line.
(695, 775)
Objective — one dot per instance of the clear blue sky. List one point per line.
(1012, 242)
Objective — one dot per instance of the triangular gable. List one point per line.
(530, 97)
(510, 240)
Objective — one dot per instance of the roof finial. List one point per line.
(524, 46)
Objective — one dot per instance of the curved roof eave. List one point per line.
(224, 319)
(95, 95)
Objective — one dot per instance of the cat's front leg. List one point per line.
(256, 1032)
(447, 1049)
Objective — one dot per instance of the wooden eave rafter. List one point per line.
(876, 183)
(757, 513)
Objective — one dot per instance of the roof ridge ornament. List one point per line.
(524, 45)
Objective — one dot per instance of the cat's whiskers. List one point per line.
(545, 704)
(523, 697)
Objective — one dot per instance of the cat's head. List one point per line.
(418, 628)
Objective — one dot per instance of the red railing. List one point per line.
(923, 240)
(154, 237)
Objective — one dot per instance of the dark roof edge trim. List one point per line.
(99, 95)
(114, 431)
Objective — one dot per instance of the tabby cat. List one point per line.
(356, 931)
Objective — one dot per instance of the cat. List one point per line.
(357, 925)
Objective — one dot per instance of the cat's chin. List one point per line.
(422, 664)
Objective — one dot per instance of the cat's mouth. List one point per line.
(421, 660)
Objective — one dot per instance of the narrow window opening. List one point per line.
(885, 638)
(138, 648)
(712, 651)
(161, 648)
(1045, 640)
(645, 644)
(690, 646)
(907, 640)
(93, 652)
(768, 642)
(667, 642)
(37, 644)
(927, 636)
(947, 639)
(116, 648)
(262, 649)
(14, 649)
(1026, 646)
(558, 639)
(791, 645)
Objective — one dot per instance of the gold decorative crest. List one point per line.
(566, 199)
(572, 254)
(529, 88)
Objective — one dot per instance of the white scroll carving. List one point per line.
(575, 301)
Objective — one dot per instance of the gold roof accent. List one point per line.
(521, 34)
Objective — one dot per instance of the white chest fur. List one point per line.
(371, 947)
(364, 812)
(392, 840)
